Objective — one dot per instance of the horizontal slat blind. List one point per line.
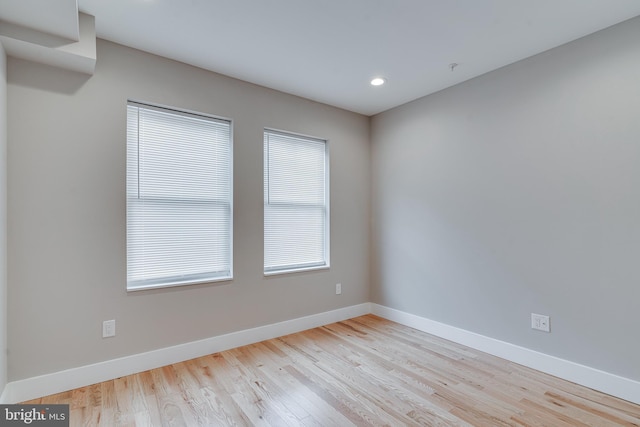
(178, 197)
(295, 202)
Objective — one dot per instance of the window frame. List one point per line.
(192, 279)
(327, 207)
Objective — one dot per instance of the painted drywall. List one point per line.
(3, 218)
(518, 192)
(66, 212)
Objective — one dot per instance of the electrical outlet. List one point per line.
(338, 288)
(108, 328)
(540, 322)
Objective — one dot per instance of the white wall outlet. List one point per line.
(338, 288)
(540, 322)
(108, 328)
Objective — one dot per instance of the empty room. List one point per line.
(306, 213)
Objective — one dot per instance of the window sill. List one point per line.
(296, 270)
(178, 284)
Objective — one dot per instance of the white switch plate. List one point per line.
(540, 322)
(108, 328)
(338, 288)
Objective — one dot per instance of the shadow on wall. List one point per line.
(47, 78)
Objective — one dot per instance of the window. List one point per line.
(296, 203)
(179, 193)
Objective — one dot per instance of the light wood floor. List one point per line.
(364, 371)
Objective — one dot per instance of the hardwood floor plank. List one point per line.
(213, 389)
(348, 381)
(89, 415)
(409, 393)
(267, 390)
(128, 400)
(275, 367)
(389, 391)
(174, 411)
(365, 371)
(109, 406)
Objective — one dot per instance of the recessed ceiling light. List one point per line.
(377, 81)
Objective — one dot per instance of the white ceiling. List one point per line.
(329, 50)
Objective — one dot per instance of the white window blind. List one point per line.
(179, 198)
(296, 203)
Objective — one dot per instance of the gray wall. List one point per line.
(515, 192)
(519, 192)
(66, 212)
(3, 218)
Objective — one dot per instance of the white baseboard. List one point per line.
(57, 382)
(605, 382)
(32, 388)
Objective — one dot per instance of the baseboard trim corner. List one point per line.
(56, 382)
(608, 383)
